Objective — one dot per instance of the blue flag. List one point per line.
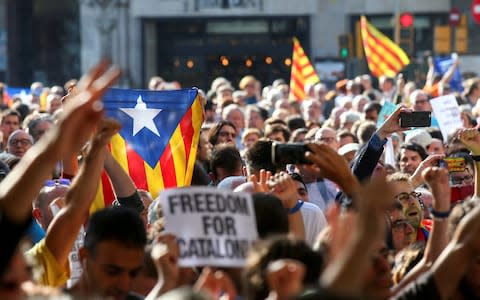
(442, 64)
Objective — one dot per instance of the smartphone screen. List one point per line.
(416, 119)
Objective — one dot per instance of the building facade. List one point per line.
(193, 41)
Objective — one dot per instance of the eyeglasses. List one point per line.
(56, 182)
(404, 197)
(421, 101)
(327, 140)
(22, 142)
(458, 180)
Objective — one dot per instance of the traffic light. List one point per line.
(461, 35)
(442, 39)
(407, 39)
(406, 20)
(405, 33)
(345, 45)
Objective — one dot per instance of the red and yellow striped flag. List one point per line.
(302, 74)
(157, 145)
(384, 57)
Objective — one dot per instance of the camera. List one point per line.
(290, 153)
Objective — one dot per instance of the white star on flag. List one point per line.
(142, 116)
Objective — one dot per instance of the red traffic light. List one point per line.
(406, 20)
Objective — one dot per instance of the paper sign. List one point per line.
(213, 227)
(447, 113)
(387, 109)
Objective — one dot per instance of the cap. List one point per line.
(419, 136)
(348, 148)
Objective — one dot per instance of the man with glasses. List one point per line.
(19, 142)
(327, 136)
(412, 207)
(400, 228)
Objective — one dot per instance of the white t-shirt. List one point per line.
(322, 198)
(314, 221)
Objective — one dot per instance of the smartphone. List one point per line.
(290, 153)
(415, 119)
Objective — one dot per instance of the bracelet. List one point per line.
(440, 214)
(295, 209)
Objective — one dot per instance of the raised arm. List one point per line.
(80, 118)
(333, 166)
(346, 274)
(65, 226)
(284, 187)
(437, 179)
(430, 73)
(121, 181)
(460, 254)
(368, 157)
(449, 74)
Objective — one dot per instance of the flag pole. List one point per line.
(396, 16)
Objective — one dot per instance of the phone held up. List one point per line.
(415, 119)
(290, 153)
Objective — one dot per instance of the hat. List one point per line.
(348, 148)
(419, 136)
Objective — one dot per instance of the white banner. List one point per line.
(213, 227)
(447, 112)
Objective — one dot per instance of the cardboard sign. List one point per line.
(447, 112)
(213, 227)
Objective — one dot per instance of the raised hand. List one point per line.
(431, 161)
(438, 180)
(471, 139)
(284, 187)
(285, 279)
(165, 255)
(217, 284)
(82, 112)
(332, 166)
(260, 184)
(392, 123)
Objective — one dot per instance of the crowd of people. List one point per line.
(336, 218)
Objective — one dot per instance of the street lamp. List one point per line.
(106, 20)
(110, 14)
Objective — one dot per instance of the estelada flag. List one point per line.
(158, 142)
(384, 57)
(302, 73)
